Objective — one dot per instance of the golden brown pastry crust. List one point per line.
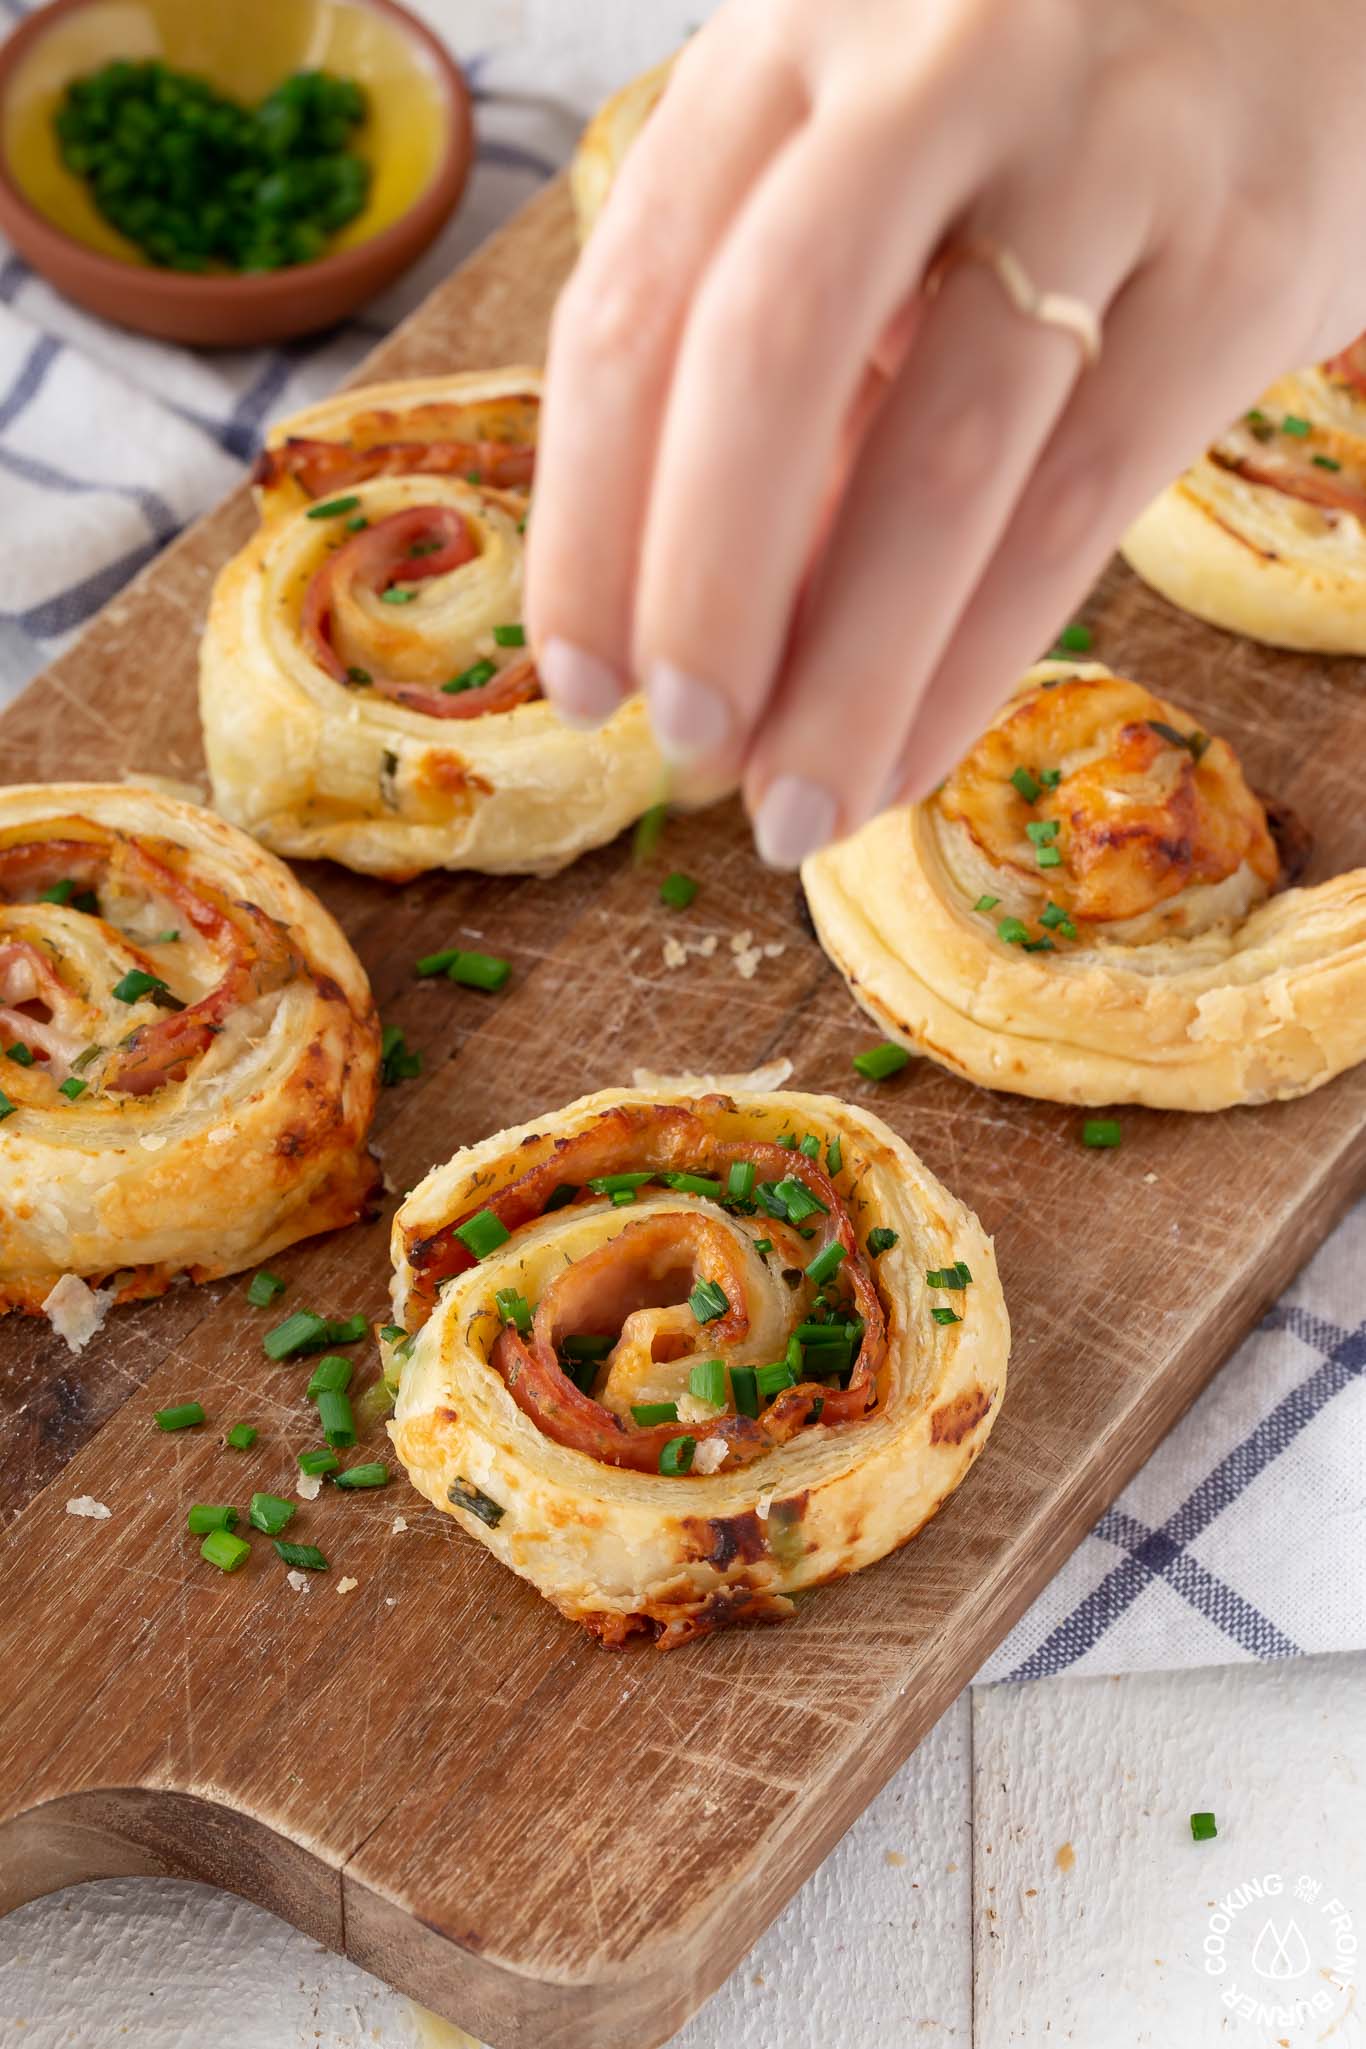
(1218, 992)
(207, 1136)
(314, 765)
(621, 1546)
(607, 138)
(1266, 533)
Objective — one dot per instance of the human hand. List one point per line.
(828, 519)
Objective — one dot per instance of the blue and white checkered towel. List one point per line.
(1245, 1534)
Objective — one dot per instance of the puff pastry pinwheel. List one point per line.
(674, 1358)
(364, 687)
(1093, 908)
(607, 138)
(188, 1047)
(1266, 533)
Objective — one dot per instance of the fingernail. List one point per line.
(689, 717)
(794, 819)
(583, 688)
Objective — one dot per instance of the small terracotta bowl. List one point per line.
(418, 137)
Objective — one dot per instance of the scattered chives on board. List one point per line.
(677, 891)
(320, 1461)
(1102, 1133)
(264, 1288)
(373, 1474)
(270, 1513)
(331, 1371)
(1203, 1828)
(241, 1437)
(335, 1416)
(180, 1416)
(209, 1515)
(222, 1549)
(306, 1557)
(879, 1063)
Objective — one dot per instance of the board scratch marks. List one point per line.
(437, 1752)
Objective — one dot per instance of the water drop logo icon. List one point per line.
(1280, 1954)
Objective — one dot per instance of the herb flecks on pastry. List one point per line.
(188, 1047)
(1097, 908)
(1266, 533)
(366, 689)
(1100, 799)
(673, 1358)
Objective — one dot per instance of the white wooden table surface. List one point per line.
(1028, 1878)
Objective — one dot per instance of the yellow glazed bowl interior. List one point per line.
(246, 48)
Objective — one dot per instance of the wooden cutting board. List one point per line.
(558, 1846)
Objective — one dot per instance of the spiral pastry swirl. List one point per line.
(675, 1358)
(188, 1047)
(365, 687)
(1095, 908)
(1266, 534)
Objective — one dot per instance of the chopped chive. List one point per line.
(72, 1087)
(20, 1055)
(740, 1180)
(1102, 1132)
(509, 636)
(820, 1335)
(649, 1413)
(465, 1495)
(398, 594)
(707, 1301)
(834, 1156)
(1293, 424)
(1203, 1828)
(331, 1371)
(707, 1381)
(692, 1184)
(797, 1199)
(986, 903)
(788, 1141)
(360, 677)
(811, 1146)
(1041, 830)
(880, 1063)
(241, 1437)
(1075, 639)
(943, 1314)
(1050, 777)
(474, 476)
(264, 1288)
(587, 1345)
(623, 1197)
(208, 1515)
(436, 963)
(222, 1549)
(1012, 931)
(334, 1414)
(1055, 919)
(762, 1245)
(332, 508)
(373, 1474)
(479, 971)
(1026, 785)
(357, 526)
(955, 1276)
(7, 1108)
(1049, 857)
(349, 1331)
(744, 1388)
(649, 832)
(166, 938)
(396, 1062)
(270, 1513)
(826, 1263)
(677, 891)
(305, 1557)
(483, 1234)
(1325, 462)
(614, 1184)
(773, 1379)
(558, 1197)
(473, 678)
(182, 1416)
(302, 1331)
(514, 1309)
(676, 1457)
(881, 1240)
(136, 984)
(59, 892)
(315, 1463)
(83, 1060)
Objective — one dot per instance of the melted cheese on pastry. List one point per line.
(1091, 909)
(365, 691)
(651, 1407)
(190, 1047)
